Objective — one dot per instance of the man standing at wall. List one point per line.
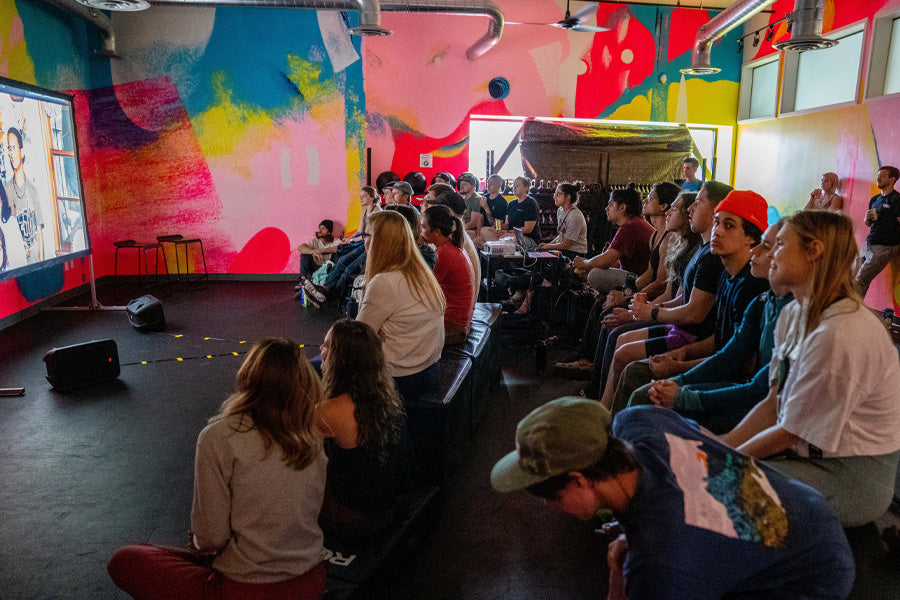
(883, 218)
(689, 168)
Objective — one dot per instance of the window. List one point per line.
(892, 74)
(824, 77)
(759, 88)
(884, 65)
(763, 90)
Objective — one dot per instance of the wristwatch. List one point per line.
(654, 313)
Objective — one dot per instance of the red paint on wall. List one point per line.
(267, 252)
(683, 30)
(618, 59)
(450, 153)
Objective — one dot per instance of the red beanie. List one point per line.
(748, 205)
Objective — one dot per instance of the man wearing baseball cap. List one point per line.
(700, 520)
(402, 192)
(738, 223)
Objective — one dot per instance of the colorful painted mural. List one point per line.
(420, 103)
(247, 126)
(784, 158)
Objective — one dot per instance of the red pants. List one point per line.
(148, 572)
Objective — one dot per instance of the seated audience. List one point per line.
(259, 480)
(315, 251)
(468, 189)
(368, 198)
(523, 214)
(700, 520)
(831, 418)
(364, 424)
(571, 227)
(825, 197)
(716, 393)
(609, 316)
(493, 210)
(738, 224)
(414, 220)
(404, 303)
(689, 313)
(453, 270)
(629, 251)
(447, 197)
(401, 194)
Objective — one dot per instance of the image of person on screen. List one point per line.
(11, 237)
(4, 260)
(24, 199)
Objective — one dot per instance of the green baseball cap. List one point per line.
(563, 435)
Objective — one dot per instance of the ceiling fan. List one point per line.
(573, 22)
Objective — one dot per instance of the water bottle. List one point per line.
(303, 301)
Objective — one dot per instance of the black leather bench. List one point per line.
(440, 428)
(353, 561)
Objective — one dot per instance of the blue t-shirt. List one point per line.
(691, 186)
(707, 521)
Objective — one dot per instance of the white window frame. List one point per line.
(791, 67)
(747, 88)
(878, 58)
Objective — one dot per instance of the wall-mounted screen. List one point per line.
(42, 219)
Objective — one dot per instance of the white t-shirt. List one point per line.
(319, 244)
(572, 226)
(411, 332)
(841, 393)
(15, 247)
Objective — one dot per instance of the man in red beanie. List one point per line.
(738, 224)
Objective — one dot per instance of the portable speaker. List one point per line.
(146, 314)
(82, 364)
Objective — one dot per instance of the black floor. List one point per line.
(85, 472)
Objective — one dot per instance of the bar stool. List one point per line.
(178, 241)
(142, 249)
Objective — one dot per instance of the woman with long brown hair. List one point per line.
(364, 421)
(259, 479)
(404, 303)
(831, 418)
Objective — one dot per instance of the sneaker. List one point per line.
(576, 369)
(314, 292)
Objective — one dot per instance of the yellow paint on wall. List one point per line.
(713, 102)
(14, 60)
(636, 110)
(305, 75)
(225, 123)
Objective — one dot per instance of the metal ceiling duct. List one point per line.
(95, 18)
(806, 28)
(715, 28)
(369, 12)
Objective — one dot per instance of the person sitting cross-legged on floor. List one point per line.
(716, 392)
(831, 418)
(259, 480)
(700, 520)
